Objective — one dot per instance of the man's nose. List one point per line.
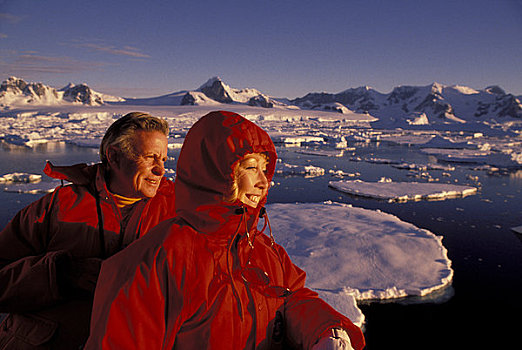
(159, 168)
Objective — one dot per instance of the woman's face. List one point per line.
(251, 178)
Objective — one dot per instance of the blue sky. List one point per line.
(283, 48)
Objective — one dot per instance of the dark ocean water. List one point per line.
(482, 307)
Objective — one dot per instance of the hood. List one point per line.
(204, 174)
(78, 174)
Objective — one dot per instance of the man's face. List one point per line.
(251, 179)
(140, 177)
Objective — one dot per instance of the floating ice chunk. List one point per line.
(31, 187)
(445, 142)
(380, 161)
(321, 152)
(28, 140)
(307, 170)
(176, 143)
(299, 139)
(341, 173)
(458, 155)
(517, 229)
(423, 167)
(369, 254)
(504, 159)
(20, 177)
(402, 191)
(87, 142)
(170, 174)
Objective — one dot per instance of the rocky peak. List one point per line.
(215, 89)
(402, 93)
(495, 90)
(81, 93)
(13, 84)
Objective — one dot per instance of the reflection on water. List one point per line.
(515, 178)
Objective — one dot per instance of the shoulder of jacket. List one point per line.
(166, 187)
(179, 235)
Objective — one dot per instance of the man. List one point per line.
(51, 251)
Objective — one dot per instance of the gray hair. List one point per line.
(121, 133)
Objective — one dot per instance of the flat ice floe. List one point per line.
(27, 183)
(349, 252)
(20, 177)
(402, 191)
(504, 159)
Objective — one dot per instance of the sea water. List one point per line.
(485, 296)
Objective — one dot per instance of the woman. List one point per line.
(209, 278)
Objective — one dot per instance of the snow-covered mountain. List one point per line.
(404, 105)
(16, 92)
(213, 92)
(435, 103)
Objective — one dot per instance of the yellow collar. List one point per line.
(124, 201)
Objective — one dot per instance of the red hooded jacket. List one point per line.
(49, 234)
(209, 279)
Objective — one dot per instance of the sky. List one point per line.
(283, 48)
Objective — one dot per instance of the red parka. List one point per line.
(55, 230)
(209, 279)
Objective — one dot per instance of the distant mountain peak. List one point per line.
(495, 89)
(215, 89)
(16, 91)
(211, 82)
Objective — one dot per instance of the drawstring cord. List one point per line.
(264, 215)
(242, 212)
(229, 249)
(101, 233)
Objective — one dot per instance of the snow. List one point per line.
(402, 191)
(350, 252)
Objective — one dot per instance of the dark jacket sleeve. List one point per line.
(28, 273)
(307, 316)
